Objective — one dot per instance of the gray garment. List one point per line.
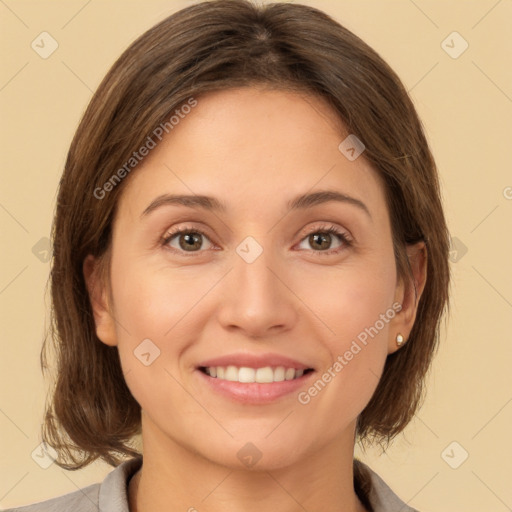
(111, 495)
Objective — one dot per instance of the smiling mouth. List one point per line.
(263, 375)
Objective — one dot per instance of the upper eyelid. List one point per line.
(305, 231)
(324, 228)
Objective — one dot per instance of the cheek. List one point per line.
(356, 305)
(157, 302)
(349, 300)
(157, 314)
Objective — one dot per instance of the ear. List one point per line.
(98, 296)
(408, 294)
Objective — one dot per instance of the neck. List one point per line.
(175, 478)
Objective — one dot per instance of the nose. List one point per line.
(256, 298)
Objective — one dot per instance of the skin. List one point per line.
(253, 149)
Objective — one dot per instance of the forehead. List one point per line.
(256, 144)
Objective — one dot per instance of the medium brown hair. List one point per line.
(212, 46)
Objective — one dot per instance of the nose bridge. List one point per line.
(256, 300)
(252, 270)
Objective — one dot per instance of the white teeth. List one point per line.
(244, 374)
(290, 373)
(279, 374)
(264, 375)
(231, 373)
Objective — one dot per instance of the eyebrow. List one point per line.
(301, 202)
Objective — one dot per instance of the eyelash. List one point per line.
(331, 230)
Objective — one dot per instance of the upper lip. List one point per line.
(255, 361)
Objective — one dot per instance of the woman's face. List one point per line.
(256, 281)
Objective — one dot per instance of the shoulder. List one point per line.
(380, 495)
(83, 500)
(111, 494)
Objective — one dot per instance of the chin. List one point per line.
(257, 455)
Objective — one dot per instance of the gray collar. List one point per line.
(113, 492)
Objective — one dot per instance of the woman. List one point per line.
(250, 266)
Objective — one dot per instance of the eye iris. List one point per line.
(315, 238)
(190, 240)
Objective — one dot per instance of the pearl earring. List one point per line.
(399, 340)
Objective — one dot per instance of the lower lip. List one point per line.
(254, 392)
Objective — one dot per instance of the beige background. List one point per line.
(466, 107)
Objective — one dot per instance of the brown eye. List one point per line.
(188, 240)
(321, 241)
